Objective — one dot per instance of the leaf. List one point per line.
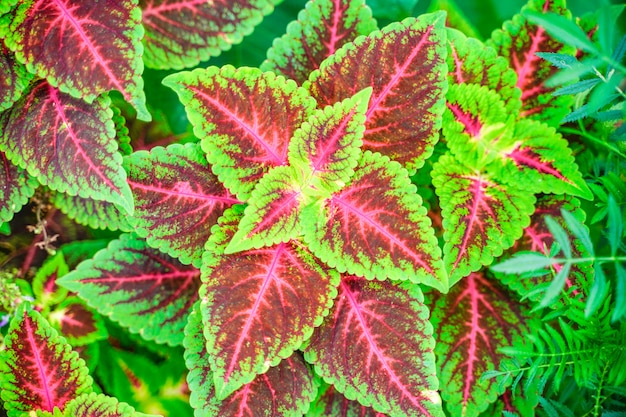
(77, 323)
(540, 161)
(285, 390)
(523, 262)
(100, 405)
(16, 187)
(376, 346)
(180, 34)
(66, 144)
(472, 62)
(259, 306)
(481, 216)
(562, 29)
(139, 287)
(615, 225)
(455, 17)
(322, 156)
(177, 199)
(45, 288)
(321, 29)
(376, 227)
(244, 118)
(331, 402)
(14, 78)
(476, 124)
(83, 49)
(474, 320)
(39, 370)
(538, 238)
(405, 65)
(96, 214)
(518, 41)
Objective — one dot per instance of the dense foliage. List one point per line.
(380, 208)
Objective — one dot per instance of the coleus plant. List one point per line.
(288, 249)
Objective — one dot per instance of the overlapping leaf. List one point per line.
(140, 287)
(322, 155)
(66, 144)
(45, 288)
(244, 118)
(14, 78)
(322, 28)
(177, 199)
(481, 215)
(538, 238)
(405, 64)
(84, 49)
(260, 305)
(376, 227)
(100, 405)
(472, 62)
(472, 321)
(518, 42)
(331, 402)
(180, 33)
(96, 214)
(39, 370)
(16, 187)
(376, 346)
(77, 323)
(284, 390)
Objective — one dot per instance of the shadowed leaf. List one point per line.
(14, 78)
(16, 187)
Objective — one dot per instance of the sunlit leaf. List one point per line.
(260, 305)
(181, 33)
(84, 49)
(376, 227)
(405, 65)
(66, 144)
(518, 41)
(139, 287)
(286, 389)
(16, 187)
(100, 405)
(481, 216)
(472, 322)
(177, 199)
(376, 346)
(244, 118)
(39, 370)
(322, 28)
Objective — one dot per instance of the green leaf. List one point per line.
(79, 324)
(579, 230)
(16, 187)
(560, 236)
(100, 405)
(557, 285)
(615, 225)
(96, 214)
(14, 78)
(562, 29)
(523, 262)
(39, 370)
(44, 284)
(619, 312)
(598, 291)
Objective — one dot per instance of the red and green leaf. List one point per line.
(77, 323)
(45, 288)
(177, 199)
(16, 187)
(476, 124)
(481, 216)
(139, 287)
(475, 319)
(327, 147)
(518, 42)
(321, 29)
(538, 238)
(83, 48)
(14, 78)
(539, 160)
(286, 389)
(96, 214)
(182, 33)
(331, 402)
(472, 62)
(39, 370)
(100, 405)
(260, 305)
(67, 144)
(376, 346)
(245, 119)
(376, 227)
(405, 65)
